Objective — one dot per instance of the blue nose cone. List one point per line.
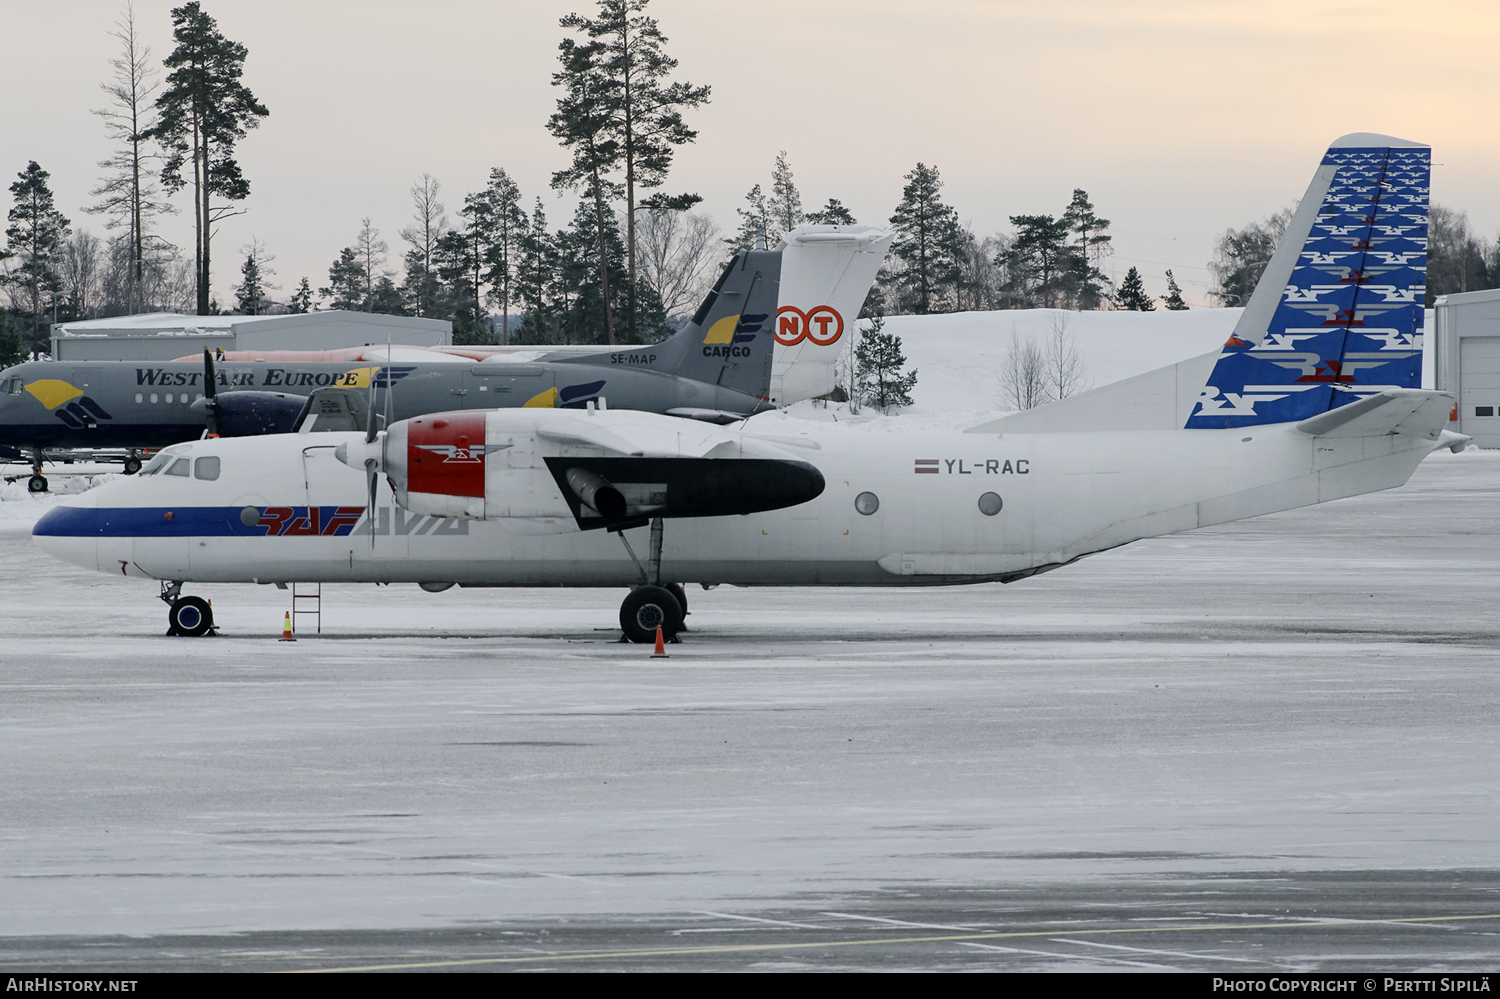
(68, 522)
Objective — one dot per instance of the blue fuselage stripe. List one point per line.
(181, 522)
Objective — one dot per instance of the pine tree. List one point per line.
(833, 213)
(642, 112)
(503, 232)
(1173, 297)
(878, 363)
(459, 270)
(130, 198)
(583, 124)
(922, 223)
(1241, 255)
(36, 234)
(301, 301)
(204, 111)
(1092, 246)
(755, 222)
(12, 343)
(346, 283)
(1037, 260)
(1132, 294)
(536, 281)
(249, 296)
(784, 208)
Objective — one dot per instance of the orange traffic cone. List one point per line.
(661, 648)
(286, 629)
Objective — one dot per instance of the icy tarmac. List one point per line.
(1267, 746)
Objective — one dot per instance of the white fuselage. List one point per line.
(1064, 495)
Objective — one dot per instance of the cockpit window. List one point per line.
(13, 386)
(206, 467)
(156, 464)
(180, 467)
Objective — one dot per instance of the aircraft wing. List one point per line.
(680, 439)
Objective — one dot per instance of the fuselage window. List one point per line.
(181, 467)
(867, 503)
(206, 467)
(153, 397)
(139, 397)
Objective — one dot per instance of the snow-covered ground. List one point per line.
(1312, 691)
(1309, 691)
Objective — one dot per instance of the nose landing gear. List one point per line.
(189, 617)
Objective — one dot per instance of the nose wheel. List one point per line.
(189, 617)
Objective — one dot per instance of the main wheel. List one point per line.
(190, 616)
(677, 591)
(132, 465)
(37, 483)
(646, 608)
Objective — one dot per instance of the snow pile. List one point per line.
(958, 358)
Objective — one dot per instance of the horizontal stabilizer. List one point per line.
(1394, 411)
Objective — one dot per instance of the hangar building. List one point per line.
(161, 336)
(1466, 336)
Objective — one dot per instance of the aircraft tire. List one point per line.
(646, 607)
(37, 483)
(677, 590)
(132, 465)
(190, 617)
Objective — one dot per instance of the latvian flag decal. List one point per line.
(927, 466)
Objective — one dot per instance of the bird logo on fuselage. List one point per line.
(460, 454)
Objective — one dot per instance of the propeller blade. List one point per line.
(371, 472)
(370, 416)
(209, 391)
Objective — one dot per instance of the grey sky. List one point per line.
(1180, 118)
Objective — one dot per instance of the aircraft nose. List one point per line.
(70, 531)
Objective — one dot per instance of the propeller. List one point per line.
(210, 389)
(372, 467)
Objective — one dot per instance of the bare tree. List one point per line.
(370, 250)
(429, 223)
(677, 252)
(1062, 364)
(1023, 374)
(82, 270)
(131, 197)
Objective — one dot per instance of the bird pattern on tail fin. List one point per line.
(1349, 323)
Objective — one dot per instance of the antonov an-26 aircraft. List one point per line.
(1312, 398)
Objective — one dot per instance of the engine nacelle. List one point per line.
(247, 413)
(526, 464)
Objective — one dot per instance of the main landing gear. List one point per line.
(38, 482)
(653, 604)
(189, 617)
